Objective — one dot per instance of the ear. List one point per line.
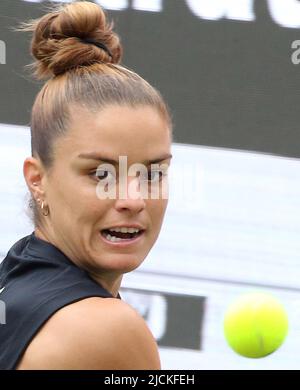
(33, 175)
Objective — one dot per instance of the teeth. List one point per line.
(113, 239)
(124, 230)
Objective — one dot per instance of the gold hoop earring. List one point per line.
(47, 209)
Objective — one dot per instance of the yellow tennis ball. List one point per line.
(255, 325)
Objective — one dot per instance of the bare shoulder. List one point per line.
(93, 334)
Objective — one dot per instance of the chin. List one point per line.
(122, 263)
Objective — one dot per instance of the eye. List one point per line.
(155, 176)
(102, 174)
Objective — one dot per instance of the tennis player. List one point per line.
(92, 119)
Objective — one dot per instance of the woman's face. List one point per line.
(78, 215)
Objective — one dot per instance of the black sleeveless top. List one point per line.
(36, 279)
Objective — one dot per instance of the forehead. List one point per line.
(119, 130)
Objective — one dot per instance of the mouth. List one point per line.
(121, 238)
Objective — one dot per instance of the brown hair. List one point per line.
(78, 73)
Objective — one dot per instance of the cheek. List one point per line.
(156, 210)
(77, 198)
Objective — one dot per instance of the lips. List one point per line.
(126, 225)
(120, 235)
(119, 242)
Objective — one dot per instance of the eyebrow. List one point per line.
(96, 157)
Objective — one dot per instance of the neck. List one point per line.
(111, 284)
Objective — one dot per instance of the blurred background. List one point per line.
(229, 70)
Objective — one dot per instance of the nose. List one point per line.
(130, 197)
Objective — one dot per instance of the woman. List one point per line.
(60, 284)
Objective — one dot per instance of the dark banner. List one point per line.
(176, 320)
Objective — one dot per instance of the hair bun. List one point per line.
(72, 35)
